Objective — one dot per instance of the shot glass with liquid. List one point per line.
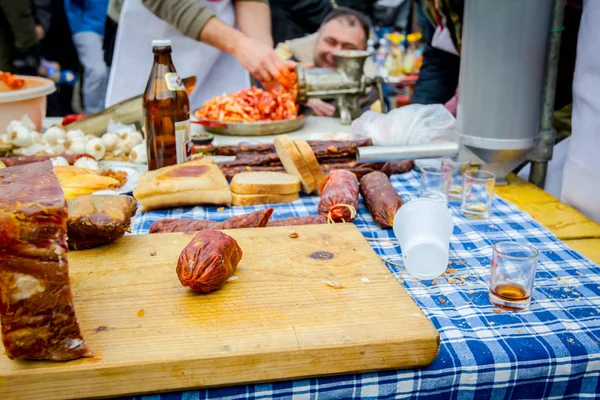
(513, 275)
(457, 170)
(477, 193)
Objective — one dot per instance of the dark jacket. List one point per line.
(292, 19)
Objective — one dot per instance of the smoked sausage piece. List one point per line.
(255, 219)
(319, 147)
(13, 161)
(381, 198)
(339, 196)
(308, 220)
(208, 261)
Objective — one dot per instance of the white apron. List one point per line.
(216, 72)
(581, 176)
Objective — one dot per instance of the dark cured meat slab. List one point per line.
(36, 305)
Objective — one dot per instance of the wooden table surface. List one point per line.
(569, 225)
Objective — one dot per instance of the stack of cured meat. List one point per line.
(331, 155)
(36, 306)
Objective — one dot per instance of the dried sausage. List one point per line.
(320, 147)
(255, 219)
(22, 160)
(397, 167)
(208, 261)
(339, 196)
(381, 198)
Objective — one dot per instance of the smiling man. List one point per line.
(342, 29)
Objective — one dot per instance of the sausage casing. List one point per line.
(381, 198)
(339, 196)
(207, 262)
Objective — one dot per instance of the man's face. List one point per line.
(335, 35)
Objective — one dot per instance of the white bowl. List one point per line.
(31, 100)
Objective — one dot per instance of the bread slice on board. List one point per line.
(294, 163)
(255, 199)
(264, 183)
(311, 162)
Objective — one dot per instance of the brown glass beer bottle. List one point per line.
(167, 111)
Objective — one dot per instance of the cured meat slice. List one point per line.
(255, 219)
(36, 305)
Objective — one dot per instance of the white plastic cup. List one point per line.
(423, 227)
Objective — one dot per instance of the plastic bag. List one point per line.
(412, 124)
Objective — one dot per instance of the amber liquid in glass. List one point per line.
(167, 113)
(510, 296)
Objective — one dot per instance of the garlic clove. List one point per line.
(75, 133)
(95, 147)
(27, 122)
(36, 137)
(53, 134)
(87, 163)
(21, 137)
(133, 137)
(77, 146)
(139, 154)
(59, 162)
(29, 150)
(111, 140)
(56, 149)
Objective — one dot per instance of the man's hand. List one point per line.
(259, 59)
(321, 108)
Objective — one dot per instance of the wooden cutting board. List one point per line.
(277, 320)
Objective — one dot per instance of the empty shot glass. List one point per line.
(457, 170)
(435, 183)
(477, 193)
(513, 275)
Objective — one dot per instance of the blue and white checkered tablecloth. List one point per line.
(551, 351)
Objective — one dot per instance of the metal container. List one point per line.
(501, 74)
(255, 128)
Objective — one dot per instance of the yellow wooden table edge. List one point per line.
(568, 224)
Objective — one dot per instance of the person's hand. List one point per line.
(452, 104)
(259, 59)
(321, 108)
(40, 32)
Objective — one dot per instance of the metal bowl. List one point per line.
(260, 128)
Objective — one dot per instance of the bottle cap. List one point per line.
(161, 43)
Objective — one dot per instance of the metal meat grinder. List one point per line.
(346, 84)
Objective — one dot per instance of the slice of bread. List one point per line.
(294, 163)
(264, 183)
(311, 162)
(255, 199)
